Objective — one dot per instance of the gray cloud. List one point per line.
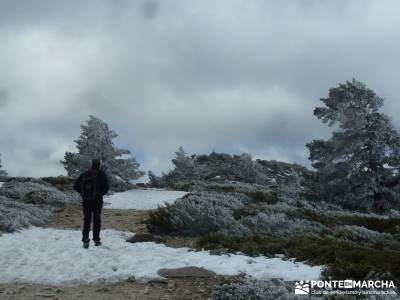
(233, 76)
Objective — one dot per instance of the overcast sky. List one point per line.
(229, 75)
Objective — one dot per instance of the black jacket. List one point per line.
(102, 183)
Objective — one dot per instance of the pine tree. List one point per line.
(96, 141)
(184, 167)
(365, 148)
(2, 172)
(155, 181)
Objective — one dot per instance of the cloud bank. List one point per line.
(230, 76)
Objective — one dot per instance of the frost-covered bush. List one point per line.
(15, 215)
(29, 203)
(366, 237)
(279, 225)
(34, 193)
(275, 289)
(204, 212)
(252, 289)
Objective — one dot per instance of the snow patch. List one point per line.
(54, 256)
(141, 199)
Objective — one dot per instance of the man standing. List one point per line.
(92, 185)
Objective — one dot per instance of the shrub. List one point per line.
(251, 290)
(160, 221)
(59, 180)
(264, 197)
(199, 213)
(15, 215)
(25, 202)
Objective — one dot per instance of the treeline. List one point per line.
(222, 167)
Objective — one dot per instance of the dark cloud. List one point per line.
(233, 76)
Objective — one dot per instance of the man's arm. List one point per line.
(104, 184)
(77, 184)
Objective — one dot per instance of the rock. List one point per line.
(60, 291)
(172, 284)
(46, 289)
(144, 237)
(146, 290)
(11, 292)
(131, 279)
(103, 290)
(186, 272)
(21, 288)
(115, 269)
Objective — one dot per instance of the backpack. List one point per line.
(89, 186)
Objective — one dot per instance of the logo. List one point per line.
(302, 287)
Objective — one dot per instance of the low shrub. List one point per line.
(199, 213)
(375, 223)
(59, 180)
(160, 221)
(264, 197)
(253, 290)
(15, 215)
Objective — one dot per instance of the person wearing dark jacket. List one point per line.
(92, 185)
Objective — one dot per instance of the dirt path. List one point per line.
(119, 219)
(124, 220)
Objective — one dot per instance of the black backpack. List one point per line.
(89, 186)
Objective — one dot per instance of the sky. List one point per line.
(228, 76)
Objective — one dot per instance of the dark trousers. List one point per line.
(91, 208)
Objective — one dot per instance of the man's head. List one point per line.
(96, 164)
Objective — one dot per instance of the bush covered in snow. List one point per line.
(15, 215)
(274, 289)
(199, 213)
(25, 202)
(251, 289)
(34, 192)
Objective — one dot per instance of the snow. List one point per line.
(141, 199)
(54, 256)
(1, 184)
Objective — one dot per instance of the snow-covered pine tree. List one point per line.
(365, 148)
(96, 141)
(184, 167)
(155, 181)
(2, 172)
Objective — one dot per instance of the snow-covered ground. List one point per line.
(53, 256)
(141, 199)
(1, 184)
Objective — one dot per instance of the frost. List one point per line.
(29, 203)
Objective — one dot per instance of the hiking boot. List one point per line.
(97, 243)
(85, 245)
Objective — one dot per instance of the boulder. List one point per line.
(144, 237)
